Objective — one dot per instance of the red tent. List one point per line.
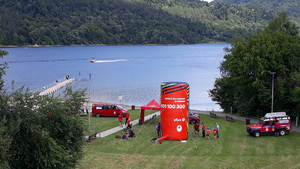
(153, 105)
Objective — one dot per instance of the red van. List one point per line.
(107, 110)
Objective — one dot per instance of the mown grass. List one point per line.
(234, 149)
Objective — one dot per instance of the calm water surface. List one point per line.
(135, 72)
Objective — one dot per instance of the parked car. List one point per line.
(267, 124)
(108, 110)
(193, 118)
(83, 111)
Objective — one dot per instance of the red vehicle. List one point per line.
(108, 110)
(193, 118)
(267, 124)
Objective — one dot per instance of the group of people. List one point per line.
(127, 121)
(206, 130)
(129, 131)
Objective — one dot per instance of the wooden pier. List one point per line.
(58, 85)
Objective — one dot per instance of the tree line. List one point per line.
(71, 22)
(262, 73)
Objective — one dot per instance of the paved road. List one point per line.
(294, 128)
(118, 128)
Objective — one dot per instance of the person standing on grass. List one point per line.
(127, 117)
(128, 123)
(215, 132)
(277, 129)
(196, 129)
(120, 117)
(218, 129)
(207, 133)
(203, 129)
(157, 127)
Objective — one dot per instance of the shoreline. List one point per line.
(38, 46)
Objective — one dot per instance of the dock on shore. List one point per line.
(56, 87)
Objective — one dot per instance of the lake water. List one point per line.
(135, 71)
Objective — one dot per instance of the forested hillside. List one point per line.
(291, 7)
(223, 20)
(74, 22)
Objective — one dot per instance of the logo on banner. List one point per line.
(179, 128)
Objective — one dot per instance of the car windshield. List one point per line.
(193, 115)
(261, 122)
(120, 107)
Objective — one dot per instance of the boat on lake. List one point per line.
(93, 60)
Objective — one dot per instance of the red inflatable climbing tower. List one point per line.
(174, 110)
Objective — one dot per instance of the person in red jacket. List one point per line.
(196, 129)
(215, 132)
(128, 123)
(120, 117)
(127, 117)
(277, 129)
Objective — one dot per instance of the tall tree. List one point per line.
(7, 126)
(282, 24)
(39, 131)
(50, 134)
(245, 85)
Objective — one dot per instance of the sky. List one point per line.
(208, 0)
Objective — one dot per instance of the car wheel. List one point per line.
(256, 134)
(282, 132)
(97, 115)
(193, 121)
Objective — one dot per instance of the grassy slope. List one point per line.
(234, 149)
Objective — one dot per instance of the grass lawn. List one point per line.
(234, 149)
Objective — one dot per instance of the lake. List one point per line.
(134, 72)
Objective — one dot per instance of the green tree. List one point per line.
(3, 66)
(5, 142)
(74, 99)
(245, 84)
(70, 22)
(7, 126)
(50, 134)
(282, 24)
(39, 131)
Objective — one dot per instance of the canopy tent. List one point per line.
(153, 105)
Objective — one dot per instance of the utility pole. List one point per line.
(272, 73)
(90, 75)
